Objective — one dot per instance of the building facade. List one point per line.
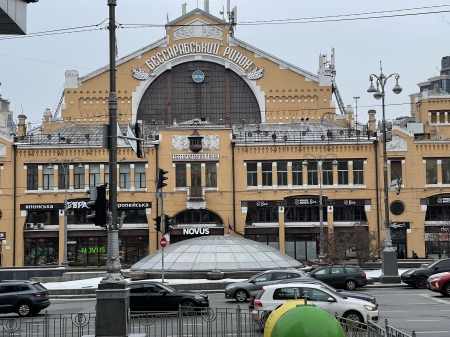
(254, 147)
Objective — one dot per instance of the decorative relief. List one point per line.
(397, 144)
(212, 32)
(198, 28)
(140, 74)
(184, 33)
(255, 73)
(209, 142)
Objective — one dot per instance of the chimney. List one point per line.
(372, 120)
(22, 126)
(47, 115)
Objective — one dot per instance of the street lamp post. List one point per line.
(389, 256)
(65, 164)
(320, 160)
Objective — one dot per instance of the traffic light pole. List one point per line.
(163, 231)
(113, 294)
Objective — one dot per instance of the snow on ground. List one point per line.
(93, 282)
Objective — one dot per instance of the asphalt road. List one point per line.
(406, 309)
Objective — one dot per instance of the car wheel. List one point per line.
(446, 290)
(421, 282)
(354, 316)
(350, 285)
(241, 295)
(265, 315)
(187, 307)
(24, 309)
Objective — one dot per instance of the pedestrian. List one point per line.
(401, 255)
(414, 255)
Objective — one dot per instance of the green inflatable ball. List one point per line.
(295, 319)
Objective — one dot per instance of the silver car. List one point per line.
(240, 291)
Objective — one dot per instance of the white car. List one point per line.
(272, 296)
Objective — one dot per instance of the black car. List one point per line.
(154, 296)
(365, 297)
(418, 277)
(341, 276)
(26, 298)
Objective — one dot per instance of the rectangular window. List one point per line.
(62, 178)
(431, 171)
(47, 174)
(211, 174)
(327, 173)
(358, 172)
(282, 174)
(312, 173)
(139, 176)
(252, 174)
(124, 176)
(445, 171)
(297, 173)
(106, 174)
(94, 175)
(32, 177)
(342, 172)
(180, 175)
(267, 174)
(78, 177)
(396, 170)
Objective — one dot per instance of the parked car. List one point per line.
(240, 290)
(418, 277)
(341, 276)
(440, 283)
(352, 294)
(332, 302)
(154, 296)
(25, 298)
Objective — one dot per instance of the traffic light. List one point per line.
(139, 132)
(97, 206)
(161, 177)
(157, 223)
(388, 131)
(168, 224)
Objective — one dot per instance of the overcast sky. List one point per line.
(409, 43)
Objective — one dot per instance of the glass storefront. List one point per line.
(41, 251)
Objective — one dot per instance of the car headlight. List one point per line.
(434, 279)
(370, 307)
(408, 272)
(200, 298)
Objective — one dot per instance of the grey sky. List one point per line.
(32, 68)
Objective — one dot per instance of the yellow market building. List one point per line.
(253, 146)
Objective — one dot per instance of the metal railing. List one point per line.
(203, 322)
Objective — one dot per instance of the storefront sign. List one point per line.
(304, 201)
(2, 235)
(81, 204)
(196, 231)
(348, 202)
(436, 201)
(40, 207)
(261, 203)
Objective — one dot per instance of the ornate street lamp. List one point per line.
(389, 256)
(320, 160)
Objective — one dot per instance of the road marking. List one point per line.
(436, 299)
(423, 320)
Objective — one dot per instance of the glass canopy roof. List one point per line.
(217, 253)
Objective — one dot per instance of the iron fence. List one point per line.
(204, 322)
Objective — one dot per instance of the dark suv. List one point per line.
(341, 276)
(418, 277)
(23, 297)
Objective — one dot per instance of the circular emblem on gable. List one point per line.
(198, 76)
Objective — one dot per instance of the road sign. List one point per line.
(163, 242)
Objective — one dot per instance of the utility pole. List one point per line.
(113, 294)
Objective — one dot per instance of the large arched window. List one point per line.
(219, 96)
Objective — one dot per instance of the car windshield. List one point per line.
(335, 293)
(165, 287)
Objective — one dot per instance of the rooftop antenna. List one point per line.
(356, 112)
(232, 17)
(0, 89)
(183, 9)
(223, 12)
(206, 6)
